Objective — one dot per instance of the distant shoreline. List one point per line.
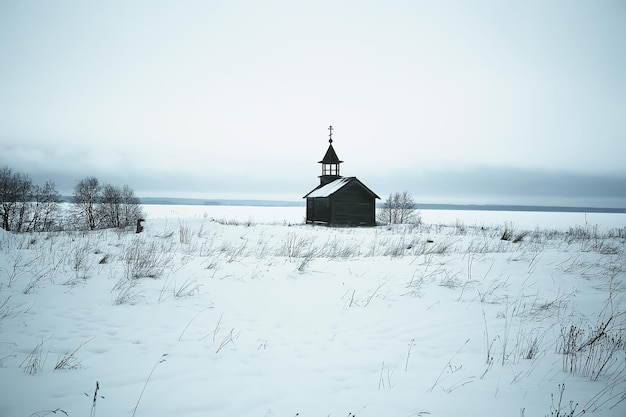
(420, 206)
(219, 202)
(498, 207)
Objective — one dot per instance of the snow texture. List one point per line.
(211, 315)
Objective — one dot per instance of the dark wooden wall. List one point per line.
(349, 206)
(353, 206)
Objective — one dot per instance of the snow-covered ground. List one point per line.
(521, 219)
(224, 311)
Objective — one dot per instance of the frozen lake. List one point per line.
(295, 215)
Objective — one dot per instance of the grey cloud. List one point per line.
(492, 185)
(511, 185)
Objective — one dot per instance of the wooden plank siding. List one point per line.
(351, 205)
(318, 210)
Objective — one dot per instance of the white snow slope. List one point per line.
(196, 317)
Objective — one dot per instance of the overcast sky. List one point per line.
(454, 101)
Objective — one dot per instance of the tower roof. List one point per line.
(331, 156)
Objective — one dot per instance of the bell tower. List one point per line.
(330, 162)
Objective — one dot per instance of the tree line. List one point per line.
(28, 207)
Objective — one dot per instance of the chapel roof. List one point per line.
(336, 185)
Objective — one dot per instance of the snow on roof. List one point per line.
(330, 188)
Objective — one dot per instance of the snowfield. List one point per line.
(248, 312)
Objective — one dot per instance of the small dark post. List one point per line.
(139, 225)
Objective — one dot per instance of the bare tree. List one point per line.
(8, 196)
(86, 197)
(15, 193)
(130, 209)
(23, 205)
(398, 208)
(34, 208)
(109, 208)
(45, 207)
(119, 207)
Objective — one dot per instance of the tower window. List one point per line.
(330, 169)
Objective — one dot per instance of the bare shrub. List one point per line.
(124, 291)
(450, 281)
(188, 288)
(70, 361)
(145, 259)
(460, 228)
(228, 339)
(510, 234)
(296, 246)
(17, 269)
(234, 253)
(491, 293)
(304, 262)
(235, 222)
(34, 281)
(606, 248)
(520, 236)
(558, 410)
(593, 350)
(79, 258)
(399, 208)
(440, 248)
(335, 248)
(184, 233)
(396, 249)
(33, 364)
(619, 233)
